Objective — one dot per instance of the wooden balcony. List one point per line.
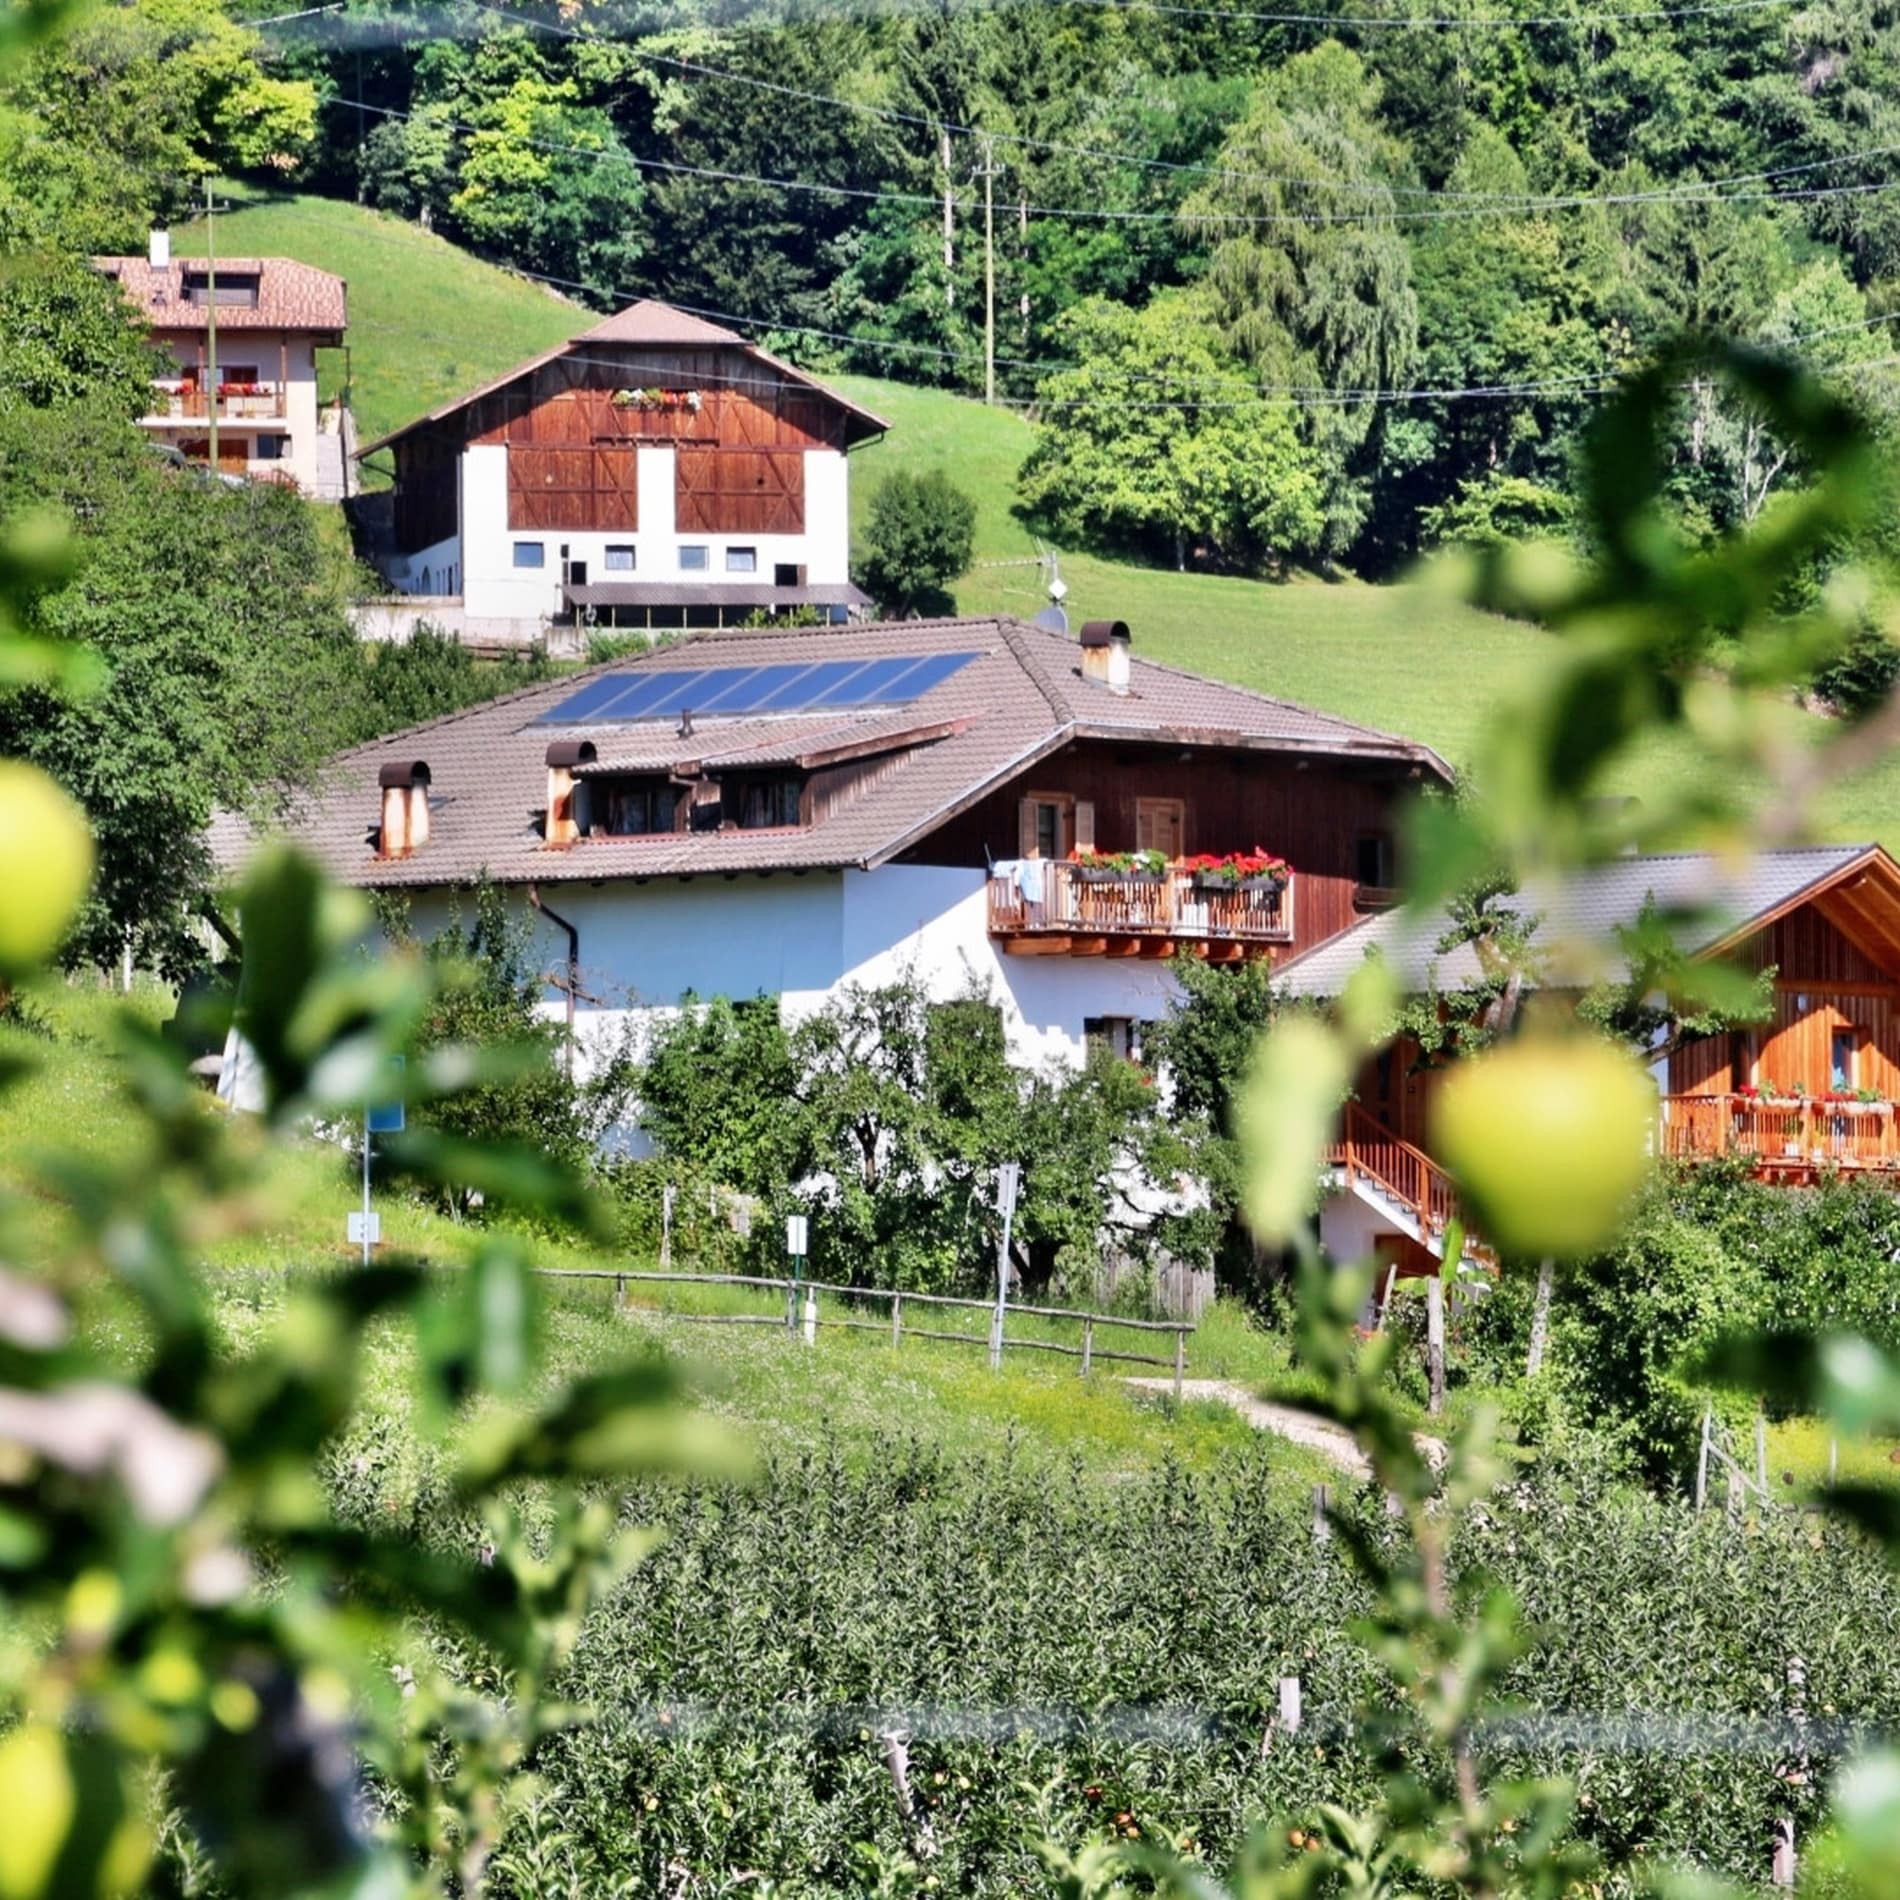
(266, 404)
(1798, 1138)
(1054, 908)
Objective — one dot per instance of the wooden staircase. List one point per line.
(1404, 1184)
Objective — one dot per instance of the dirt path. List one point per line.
(1288, 1421)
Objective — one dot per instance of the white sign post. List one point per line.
(797, 1238)
(379, 1118)
(1009, 1178)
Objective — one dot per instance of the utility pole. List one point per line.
(949, 224)
(211, 410)
(989, 270)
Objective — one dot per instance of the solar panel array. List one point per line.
(618, 699)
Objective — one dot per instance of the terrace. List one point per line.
(1061, 907)
(1798, 1136)
(180, 401)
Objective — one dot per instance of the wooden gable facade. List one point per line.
(1332, 820)
(573, 425)
(1836, 1025)
(1782, 1094)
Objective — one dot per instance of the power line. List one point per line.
(1590, 382)
(1690, 192)
(1088, 214)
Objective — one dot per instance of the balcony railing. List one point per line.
(1037, 903)
(1780, 1134)
(265, 404)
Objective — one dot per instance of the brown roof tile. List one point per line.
(290, 296)
(1021, 698)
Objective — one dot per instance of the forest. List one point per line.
(1325, 285)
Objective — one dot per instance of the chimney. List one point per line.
(1105, 645)
(405, 786)
(562, 825)
(159, 251)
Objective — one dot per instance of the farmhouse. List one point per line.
(1812, 1089)
(243, 336)
(966, 802)
(654, 471)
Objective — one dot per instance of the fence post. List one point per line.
(1008, 1179)
(1088, 1344)
(1761, 1451)
(897, 1319)
(667, 1194)
(897, 1761)
(1702, 1466)
(1781, 1868)
(1180, 1361)
(620, 1292)
(1322, 1522)
(1291, 1713)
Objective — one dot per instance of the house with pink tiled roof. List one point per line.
(242, 336)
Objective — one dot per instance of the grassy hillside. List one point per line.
(427, 320)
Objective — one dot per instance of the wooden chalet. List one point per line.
(1810, 1092)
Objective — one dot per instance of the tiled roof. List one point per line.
(654, 326)
(1707, 900)
(650, 321)
(290, 296)
(1020, 698)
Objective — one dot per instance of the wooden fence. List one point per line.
(997, 1339)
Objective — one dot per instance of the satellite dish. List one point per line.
(1053, 620)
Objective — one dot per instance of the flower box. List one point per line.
(1093, 874)
(1215, 885)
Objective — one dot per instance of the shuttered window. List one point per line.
(739, 491)
(573, 489)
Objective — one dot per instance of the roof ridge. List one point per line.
(1008, 627)
(1298, 706)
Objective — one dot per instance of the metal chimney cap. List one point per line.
(1101, 633)
(403, 773)
(572, 752)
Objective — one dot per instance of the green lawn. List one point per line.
(851, 1388)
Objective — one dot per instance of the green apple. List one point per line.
(1548, 1137)
(45, 865)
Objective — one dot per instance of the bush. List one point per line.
(920, 536)
(1862, 676)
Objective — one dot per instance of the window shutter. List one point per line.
(1085, 824)
(1026, 828)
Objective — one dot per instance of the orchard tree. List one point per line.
(920, 536)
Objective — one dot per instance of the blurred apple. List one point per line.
(1548, 1137)
(45, 865)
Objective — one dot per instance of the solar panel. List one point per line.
(799, 692)
(617, 699)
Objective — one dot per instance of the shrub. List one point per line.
(919, 538)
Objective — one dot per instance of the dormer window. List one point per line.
(635, 807)
(236, 290)
(765, 804)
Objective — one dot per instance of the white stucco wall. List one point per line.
(493, 586)
(801, 939)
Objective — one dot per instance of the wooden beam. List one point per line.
(1036, 946)
(1088, 946)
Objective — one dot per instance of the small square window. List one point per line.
(531, 554)
(742, 560)
(270, 448)
(618, 560)
(788, 574)
(693, 560)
